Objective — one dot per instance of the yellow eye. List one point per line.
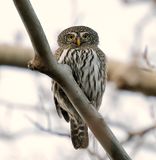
(86, 36)
(70, 37)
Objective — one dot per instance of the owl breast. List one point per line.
(87, 72)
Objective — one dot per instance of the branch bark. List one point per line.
(68, 84)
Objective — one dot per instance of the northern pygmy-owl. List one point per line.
(78, 47)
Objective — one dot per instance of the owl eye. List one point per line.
(86, 36)
(70, 37)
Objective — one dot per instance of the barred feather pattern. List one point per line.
(88, 69)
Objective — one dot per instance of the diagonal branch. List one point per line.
(58, 71)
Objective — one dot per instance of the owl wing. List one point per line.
(61, 111)
(58, 53)
(103, 60)
(56, 89)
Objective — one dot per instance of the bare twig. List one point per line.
(94, 154)
(134, 1)
(47, 130)
(145, 57)
(20, 106)
(27, 132)
(139, 133)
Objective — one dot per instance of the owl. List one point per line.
(78, 48)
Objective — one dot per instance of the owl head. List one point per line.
(77, 36)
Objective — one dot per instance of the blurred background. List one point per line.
(29, 125)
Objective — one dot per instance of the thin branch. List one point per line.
(134, 1)
(47, 130)
(20, 106)
(27, 132)
(92, 153)
(147, 61)
(139, 133)
(70, 87)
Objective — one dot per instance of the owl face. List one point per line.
(78, 36)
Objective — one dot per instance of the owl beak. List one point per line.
(78, 41)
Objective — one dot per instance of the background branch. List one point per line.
(132, 77)
(15, 55)
(137, 78)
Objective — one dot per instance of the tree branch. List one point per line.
(68, 84)
(15, 55)
(132, 77)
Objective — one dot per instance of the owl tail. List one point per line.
(79, 133)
